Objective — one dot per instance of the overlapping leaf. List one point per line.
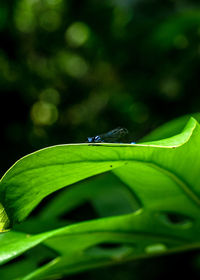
(163, 175)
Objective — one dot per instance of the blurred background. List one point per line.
(77, 68)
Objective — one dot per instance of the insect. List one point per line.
(110, 137)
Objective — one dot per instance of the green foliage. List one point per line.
(72, 69)
(155, 185)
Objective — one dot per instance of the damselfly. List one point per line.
(112, 136)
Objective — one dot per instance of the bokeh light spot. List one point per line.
(121, 17)
(170, 88)
(73, 64)
(43, 113)
(24, 16)
(77, 34)
(50, 95)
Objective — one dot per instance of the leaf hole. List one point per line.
(96, 197)
(42, 254)
(108, 245)
(83, 212)
(22, 265)
(176, 219)
(16, 260)
(101, 196)
(44, 261)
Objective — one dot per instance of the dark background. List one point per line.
(72, 69)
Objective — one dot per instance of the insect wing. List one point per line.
(113, 135)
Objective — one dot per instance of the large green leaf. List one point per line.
(163, 175)
(35, 176)
(170, 128)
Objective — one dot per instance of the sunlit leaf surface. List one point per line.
(160, 204)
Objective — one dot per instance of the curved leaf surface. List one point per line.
(35, 176)
(163, 175)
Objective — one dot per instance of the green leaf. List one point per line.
(170, 128)
(43, 172)
(163, 175)
(4, 220)
(35, 176)
(15, 243)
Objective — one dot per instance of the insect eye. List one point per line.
(97, 138)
